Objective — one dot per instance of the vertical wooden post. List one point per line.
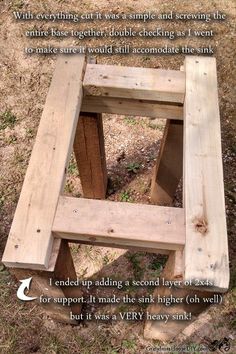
(169, 165)
(61, 268)
(90, 155)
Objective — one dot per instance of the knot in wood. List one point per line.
(201, 225)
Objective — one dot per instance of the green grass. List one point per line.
(143, 187)
(7, 119)
(133, 167)
(106, 259)
(125, 196)
(74, 248)
(134, 259)
(146, 58)
(72, 168)
(12, 139)
(129, 344)
(29, 133)
(156, 126)
(156, 265)
(17, 5)
(54, 345)
(69, 187)
(130, 121)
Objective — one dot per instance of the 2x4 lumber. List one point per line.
(206, 249)
(43, 283)
(135, 83)
(121, 224)
(90, 155)
(169, 166)
(132, 107)
(30, 240)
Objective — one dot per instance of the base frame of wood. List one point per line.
(187, 144)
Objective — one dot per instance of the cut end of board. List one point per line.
(49, 266)
(15, 257)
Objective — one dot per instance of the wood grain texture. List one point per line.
(206, 249)
(90, 155)
(120, 224)
(132, 107)
(169, 166)
(30, 241)
(134, 82)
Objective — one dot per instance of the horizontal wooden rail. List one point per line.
(132, 107)
(134, 83)
(121, 224)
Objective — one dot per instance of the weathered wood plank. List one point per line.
(134, 82)
(169, 166)
(123, 224)
(90, 155)
(30, 241)
(132, 107)
(206, 249)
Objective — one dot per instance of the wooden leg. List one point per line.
(160, 330)
(90, 155)
(40, 284)
(168, 169)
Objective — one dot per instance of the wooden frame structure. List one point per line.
(194, 236)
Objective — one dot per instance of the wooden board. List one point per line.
(30, 241)
(169, 166)
(119, 223)
(132, 107)
(206, 250)
(134, 82)
(90, 155)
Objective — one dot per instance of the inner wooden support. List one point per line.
(132, 107)
(169, 166)
(90, 155)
